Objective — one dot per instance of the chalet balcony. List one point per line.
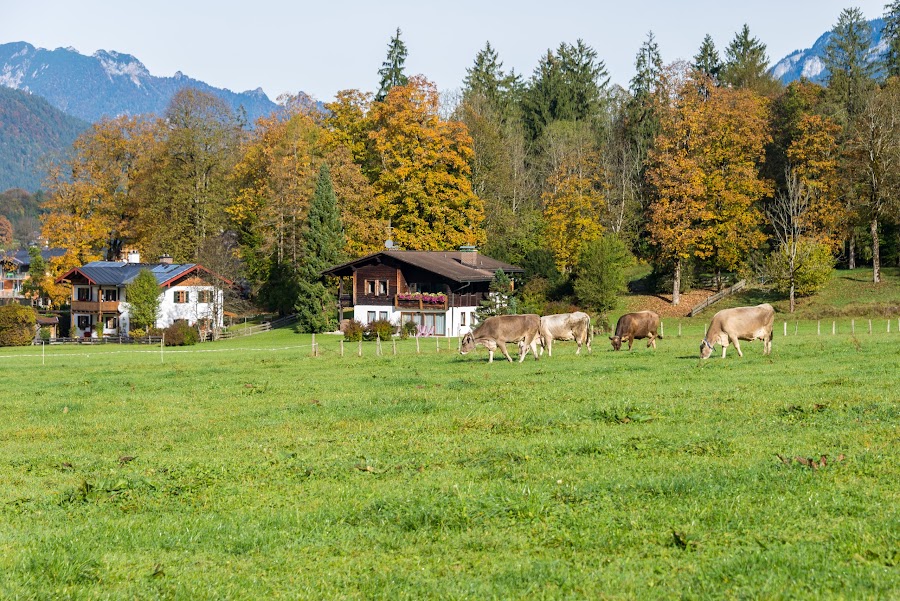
(421, 301)
(95, 307)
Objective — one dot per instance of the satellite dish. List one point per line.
(389, 244)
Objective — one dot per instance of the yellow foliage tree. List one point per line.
(422, 177)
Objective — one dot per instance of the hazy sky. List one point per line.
(322, 47)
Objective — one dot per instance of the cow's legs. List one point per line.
(652, 341)
(737, 345)
(502, 346)
(767, 345)
(534, 350)
(630, 342)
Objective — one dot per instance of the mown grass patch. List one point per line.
(257, 470)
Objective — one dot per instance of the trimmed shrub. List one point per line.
(137, 332)
(17, 325)
(180, 334)
(353, 330)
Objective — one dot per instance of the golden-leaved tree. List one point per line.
(705, 173)
(422, 173)
(574, 200)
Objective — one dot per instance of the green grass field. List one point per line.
(249, 469)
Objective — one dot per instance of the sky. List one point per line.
(323, 47)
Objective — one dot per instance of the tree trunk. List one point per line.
(851, 254)
(876, 251)
(793, 269)
(676, 283)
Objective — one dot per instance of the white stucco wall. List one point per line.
(451, 317)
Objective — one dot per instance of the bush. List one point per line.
(813, 269)
(380, 328)
(180, 334)
(353, 330)
(408, 329)
(137, 332)
(17, 325)
(600, 273)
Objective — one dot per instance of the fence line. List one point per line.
(717, 297)
(335, 346)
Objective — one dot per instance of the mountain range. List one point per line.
(809, 63)
(107, 83)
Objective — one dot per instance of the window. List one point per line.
(370, 316)
(462, 318)
(204, 296)
(382, 315)
(111, 295)
(111, 323)
(370, 287)
(84, 294)
(181, 296)
(382, 287)
(376, 287)
(84, 322)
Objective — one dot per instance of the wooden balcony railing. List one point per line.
(419, 304)
(95, 307)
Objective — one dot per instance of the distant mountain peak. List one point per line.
(809, 63)
(107, 83)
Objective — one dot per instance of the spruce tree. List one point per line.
(850, 73)
(891, 34)
(391, 71)
(707, 60)
(746, 64)
(323, 244)
(642, 121)
(500, 300)
(487, 79)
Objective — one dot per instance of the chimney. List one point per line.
(468, 255)
(166, 259)
(133, 257)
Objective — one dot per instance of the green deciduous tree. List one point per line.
(600, 274)
(17, 325)
(142, 296)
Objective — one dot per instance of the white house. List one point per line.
(100, 307)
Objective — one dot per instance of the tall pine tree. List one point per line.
(323, 243)
(707, 60)
(746, 64)
(391, 71)
(850, 74)
(891, 34)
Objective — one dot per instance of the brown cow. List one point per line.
(496, 331)
(740, 323)
(636, 326)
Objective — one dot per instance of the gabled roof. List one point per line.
(447, 264)
(114, 273)
(22, 258)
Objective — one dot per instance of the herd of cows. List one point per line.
(728, 326)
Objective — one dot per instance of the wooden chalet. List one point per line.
(439, 291)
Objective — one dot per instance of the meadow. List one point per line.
(252, 469)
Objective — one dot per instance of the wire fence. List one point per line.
(334, 346)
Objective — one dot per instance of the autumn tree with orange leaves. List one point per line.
(705, 173)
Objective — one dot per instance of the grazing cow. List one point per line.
(496, 331)
(741, 323)
(565, 326)
(636, 326)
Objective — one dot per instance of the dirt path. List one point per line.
(662, 303)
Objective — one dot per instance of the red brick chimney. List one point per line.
(468, 255)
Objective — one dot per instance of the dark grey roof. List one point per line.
(21, 256)
(114, 273)
(448, 264)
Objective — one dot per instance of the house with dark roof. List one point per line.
(14, 269)
(100, 308)
(438, 291)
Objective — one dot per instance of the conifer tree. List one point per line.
(850, 74)
(486, 78)
(323, 242)
(142, 296)
(500, 300)
(643, 123)
(746, 64)
(391, 71)
(891, 34)
(707, 60)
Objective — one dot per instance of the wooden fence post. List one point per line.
(785, 328)
(870, 326)
(417, 345)
(394, 346)
(378, 344)
(359, 349)
(342, 348)
(796, 327)
(833, 328)
(314, 354)
(853, 326)
(679, 329)
(661, 329)
(819, 327)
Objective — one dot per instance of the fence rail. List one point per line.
(263, 327)
(717, 297)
